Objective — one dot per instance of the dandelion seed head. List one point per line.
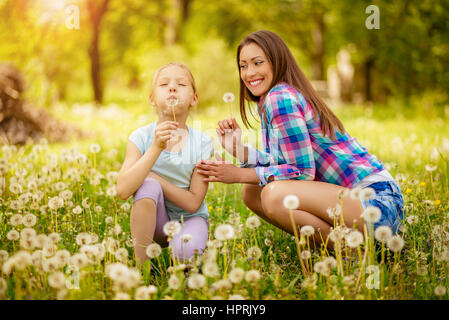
(236, 275)
(253, 222)
(196, 281)
(224, 232)
(307, 231)
(252, 276)
(396, 243)
(291, 202)
(94, 148)
(153, 250)
(383, 233)
(171, 228)
(354, 239)
(372, 214)
(228, 97)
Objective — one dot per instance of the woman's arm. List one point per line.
(189, 200)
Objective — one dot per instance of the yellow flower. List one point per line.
(210, 208)
(437, 202)
(219, 209)
(423, 184)
(408, 191)
(215, 191)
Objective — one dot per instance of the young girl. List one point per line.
(159, 169)
(307, 151)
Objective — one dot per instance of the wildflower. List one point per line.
(291, 202)
(268, 242)
(3, 286)
(196, 281)
(15, 188)
(111, 191)
(142, 293)
(253, 222)
(395, 243)
(372, 214)
(3, 256)
(236, 297)
(383, 233)
(94, 148)
(367, 194)
(56, 203)
(354, 239)
(355, 193)
(171, 228)
(236, 275)
(307, 231)
(56, 280)
(27, 233)
(54, 237)
(174, 283)
(252, 276)
(153, 250)
(224, 232)
(152, 289)
(16, 220)
(254, 253)
(85, 203)
(121, 254)
(330, 262)
(305, 254)
(210, 269)
(125, 206)
(222, 284)
(228, 97)
(41, 240)
(66, 194)
(186, 237)
(63, 257)
(83, 238)
(79, 260)
(29, 220)
(412, 219)
(321, 268)
(334, 212)
(22, 259)
(109, 220)
(440, 290)
(13, 235)
(117, 229)
(122, 296)
(430, 168)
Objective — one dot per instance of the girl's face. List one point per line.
(173, 85)
(256, 70)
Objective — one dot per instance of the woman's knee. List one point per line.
(149, 189)
(271, 200)
(250, 193)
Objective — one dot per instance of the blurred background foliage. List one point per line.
(113, 54)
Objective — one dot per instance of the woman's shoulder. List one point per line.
(284, 97)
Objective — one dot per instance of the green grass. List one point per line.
(405, 143)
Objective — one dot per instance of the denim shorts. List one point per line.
(390, 201)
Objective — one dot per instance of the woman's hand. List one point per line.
(230, 135)
(218, 171)
(163, 133)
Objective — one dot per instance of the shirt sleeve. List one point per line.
(291, 154)
(207, 147)
(137, 138)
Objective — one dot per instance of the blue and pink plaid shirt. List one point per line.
(296, 149)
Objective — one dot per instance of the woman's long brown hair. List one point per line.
(285, 69)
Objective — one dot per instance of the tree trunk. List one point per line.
(369, 63)
(97, 10)
(183, 8)
(318, 43)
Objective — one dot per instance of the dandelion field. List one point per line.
(64, 233)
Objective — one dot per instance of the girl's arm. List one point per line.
(189, 200)
(137, 166)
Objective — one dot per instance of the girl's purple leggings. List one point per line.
(197, 227)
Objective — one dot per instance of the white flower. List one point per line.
(196, 281)
(77, 210)
(305, 254)
(440, 290)
(224, 232)
(412, 219)
(29, 220)
(174, 283)
(354, 239)
(111, 191)
(236, 297)
(252, 276)
(307, 231)
(321, 268)
(171, 228)
(210, 269)
(186, 237)
(15, 188)
(330, 262)
(367, 194)
(228, 97)
(430, 168)
(254, 253)
(355, 193)
(291, 202)
(16, 220)
(383, 233)
(236, 275)
(396, 243)
(56, 203)
(253, 222)
(153, 250)
(372, 214)
(13, 235)
(56, 280)
(94, 148)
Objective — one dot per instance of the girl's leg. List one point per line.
(148, 216)
(314, 199)
(198, 229)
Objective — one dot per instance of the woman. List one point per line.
(307, 151)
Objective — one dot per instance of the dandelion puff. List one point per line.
(77, 210)
(253, 222)
(372, 214)
(305, 254)
(111, 191)
(222, 284)
(367, 194)
(152, 289)
(440, 290)
(412, 219)
(291, 202)
(211, 270)
(29, 220)
(383, 233)
(196, 281)
(171, 228)
(54, 237)
(15, 188)
(3, 256)
(83, 238)
(354, 239)
(236, 297)
(56, 280)
(27, 233)
(228, 97)
(94, 148)
(430, 168)
(13, 235)
(186, 237)
(252, 276)
(63, 257)
(174, 283)
(355, 193)
(307, 231)
(122, 255)
(224, 232)
(3, 286)
(122, 296)
(396, 243)
(254, 253)
(321, 268)
(330, 262)
(16, 220)
(153, 250)
(236, 275)
(142, 293)
(66, 194)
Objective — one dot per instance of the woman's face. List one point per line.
(173, 86)
(256, 70)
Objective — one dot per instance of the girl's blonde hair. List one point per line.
(172, 64)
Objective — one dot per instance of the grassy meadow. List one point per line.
(65, 234)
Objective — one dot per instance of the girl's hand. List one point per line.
(163, 133)
(218, 171)
(230, 135)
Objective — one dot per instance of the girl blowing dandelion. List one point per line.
(159, 169)
(307, 151)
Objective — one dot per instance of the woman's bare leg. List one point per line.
(143, 225)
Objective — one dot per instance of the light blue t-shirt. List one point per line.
(177, 167)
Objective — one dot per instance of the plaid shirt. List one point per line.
(295, 148)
